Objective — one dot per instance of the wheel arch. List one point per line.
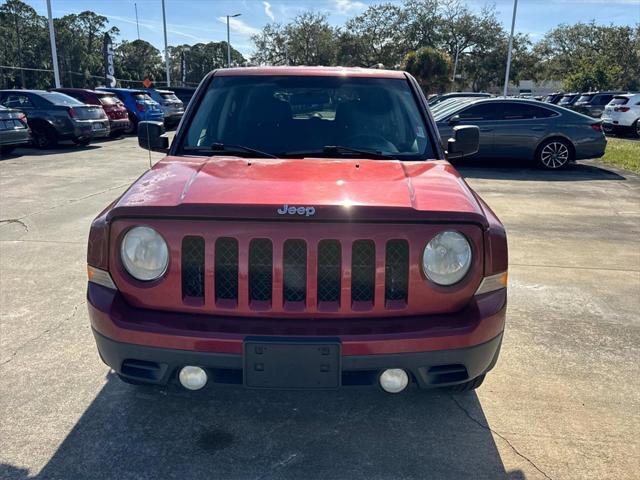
(555, 136)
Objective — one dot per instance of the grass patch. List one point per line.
(623, 153)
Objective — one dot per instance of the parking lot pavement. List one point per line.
(562, 403)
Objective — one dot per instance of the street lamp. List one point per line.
(513, 25)
(228, 40)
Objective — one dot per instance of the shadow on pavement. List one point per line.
(36, 152)
(133, 432)
(517, 170)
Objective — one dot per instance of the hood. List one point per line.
(301, 189)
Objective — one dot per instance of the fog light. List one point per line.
(394, 380)
(193, 378)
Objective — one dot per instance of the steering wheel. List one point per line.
(370, 142)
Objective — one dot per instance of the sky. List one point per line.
(193, 21)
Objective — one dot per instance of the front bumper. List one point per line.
(439, 350)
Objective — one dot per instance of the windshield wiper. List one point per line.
(228, 147)
(339, 149)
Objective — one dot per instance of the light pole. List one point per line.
(228, 39)
(166, 51)
(54, 52)
(135, 5)
(455, 67)
(513, 25)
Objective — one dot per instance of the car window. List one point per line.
(584, 98)
(278, 114)
(170, 96)
(481, 112)
(58, 98)
(521, 111)
(566, 99)
(16, 100)
(602, 99)
(619, 101)
(108, 99)
(142, 96)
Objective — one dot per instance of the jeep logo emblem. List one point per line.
(293, 210)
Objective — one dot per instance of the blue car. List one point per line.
(139, 104)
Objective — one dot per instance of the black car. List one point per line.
(434, 100)
(54, 116)
(568, 99)
(184, 93)
(14, 130)
(518, 129)
(553, 97)
(593, 103)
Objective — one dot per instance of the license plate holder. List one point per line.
(292, 364)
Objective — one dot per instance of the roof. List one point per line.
(118, 89)
(312, 72)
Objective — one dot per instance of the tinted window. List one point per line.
(279, 114)
(520, 111)
(619, 101)
(566, 99)
(584, 98)
(142, 96)
(18, 101)
(60, 99)
(483, 111)
(169, 96)
(602, 99)
(108, 99)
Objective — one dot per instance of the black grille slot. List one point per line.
(396, 283)
(295, 270)
(329, 270)
(226, 267)
(260, 269)
(363, 271)
(193, 267)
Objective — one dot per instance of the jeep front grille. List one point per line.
(298, 275)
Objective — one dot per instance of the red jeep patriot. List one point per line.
(304, 231)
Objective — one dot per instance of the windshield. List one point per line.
(61, 99)
(566, 99)
(285, 114)
(170, 96)
(619, 101)
(143, 97)
(108, 99)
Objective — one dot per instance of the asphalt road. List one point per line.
(562, 403)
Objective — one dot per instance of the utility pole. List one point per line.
(229, 39)
(166, 51)
(455, 67)
(135, 5)
(513, 26)
(54, 52)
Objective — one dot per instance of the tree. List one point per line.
(271, 45)
(200, 59)
(431, 68)
(138, 60)
(376, 36)
(590, 75)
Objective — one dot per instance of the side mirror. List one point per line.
(455, 119)
(151, 136)
(465, 141)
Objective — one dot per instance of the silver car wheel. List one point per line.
(554, 155)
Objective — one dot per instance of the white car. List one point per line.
(622, 113)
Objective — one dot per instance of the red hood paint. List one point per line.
(337, 189)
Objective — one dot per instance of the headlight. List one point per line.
(446, 258)
(144, 253)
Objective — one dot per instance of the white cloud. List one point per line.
(239, 26)
(268, 12)
(345, 7)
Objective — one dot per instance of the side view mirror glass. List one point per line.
(151, 136)
(465, 141)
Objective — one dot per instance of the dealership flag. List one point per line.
(109, 72)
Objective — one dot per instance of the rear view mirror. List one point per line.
(465, 141)
(455, 119)
(151, 136)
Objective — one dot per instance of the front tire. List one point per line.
(467, 386)
(554, 154)
(636, 128)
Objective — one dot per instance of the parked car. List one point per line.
(54, 116)
(441, 98)
(139, 104)
(184, 94)
(328, 244)
(527, 130)
(112, 106)
(14, 130)
(622, 114)
(593, 103)
(554, 97)
(568, 99)
(172, 107)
